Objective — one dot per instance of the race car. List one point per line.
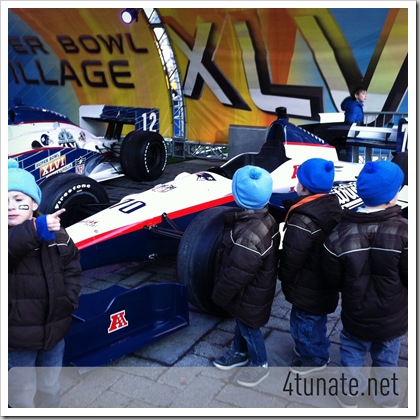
(69, 161)
(183, 217)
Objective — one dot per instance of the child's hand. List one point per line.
(53, 220)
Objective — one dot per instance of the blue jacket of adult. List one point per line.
(353, 110)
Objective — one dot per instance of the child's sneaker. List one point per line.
(252, 375)
(304, 366)
(230, 360)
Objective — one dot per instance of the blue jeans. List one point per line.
(33, 377)
(251, 341)
(353, 351)
(310, 334)
(384, 354)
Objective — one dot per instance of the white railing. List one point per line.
(381, 135)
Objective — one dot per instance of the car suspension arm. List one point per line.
(173, 232)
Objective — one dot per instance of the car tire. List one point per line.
(80, 195)
(143, 155)
(198, 258)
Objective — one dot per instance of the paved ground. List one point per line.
(177, 372)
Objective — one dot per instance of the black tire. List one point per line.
(143, 155)
(197, 259)
(80, 195)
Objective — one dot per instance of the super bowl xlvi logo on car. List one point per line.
(57, 164)
(118, 321)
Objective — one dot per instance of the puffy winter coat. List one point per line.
(366, 257)
(44, 287)
(246, 281)
(353, 110)
(308, 223)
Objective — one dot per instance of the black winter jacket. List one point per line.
(44, 287)
(309, 221)
(366, 257)
(246, 281)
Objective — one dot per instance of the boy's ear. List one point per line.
(34, 205)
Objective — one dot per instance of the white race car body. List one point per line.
(130, 224)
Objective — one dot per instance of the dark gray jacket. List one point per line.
(309, 221)
(246, 281)
(44, 287)
(366, 258)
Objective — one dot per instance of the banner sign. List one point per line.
(236, 65)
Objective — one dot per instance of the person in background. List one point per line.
(366, 258)
(246, 282)
(353, 106)
(310, 218)
(44, 285)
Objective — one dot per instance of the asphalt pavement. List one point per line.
(176, 373)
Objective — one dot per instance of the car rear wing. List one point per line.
(108, 120)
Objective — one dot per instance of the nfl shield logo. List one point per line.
(80, 166)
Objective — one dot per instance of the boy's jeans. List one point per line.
(384, 356)
(251, 341)
(33, 377)
(310, 334)
(353, 351)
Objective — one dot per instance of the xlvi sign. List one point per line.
(316, 33)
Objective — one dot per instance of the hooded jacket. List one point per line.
(44, 287)
(309, 220)
(353, 110)
(246, 280)
(366, 258)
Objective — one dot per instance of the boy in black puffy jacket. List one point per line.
(366, 258)
(310, 218)
(44, 286)
(246, 282)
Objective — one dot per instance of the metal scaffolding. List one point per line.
(170, 66)
(178, 145)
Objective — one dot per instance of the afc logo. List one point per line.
(118, 321)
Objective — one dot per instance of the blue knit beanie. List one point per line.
(379, 182)
(23, 181)
(316, 175)
(252, 187)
